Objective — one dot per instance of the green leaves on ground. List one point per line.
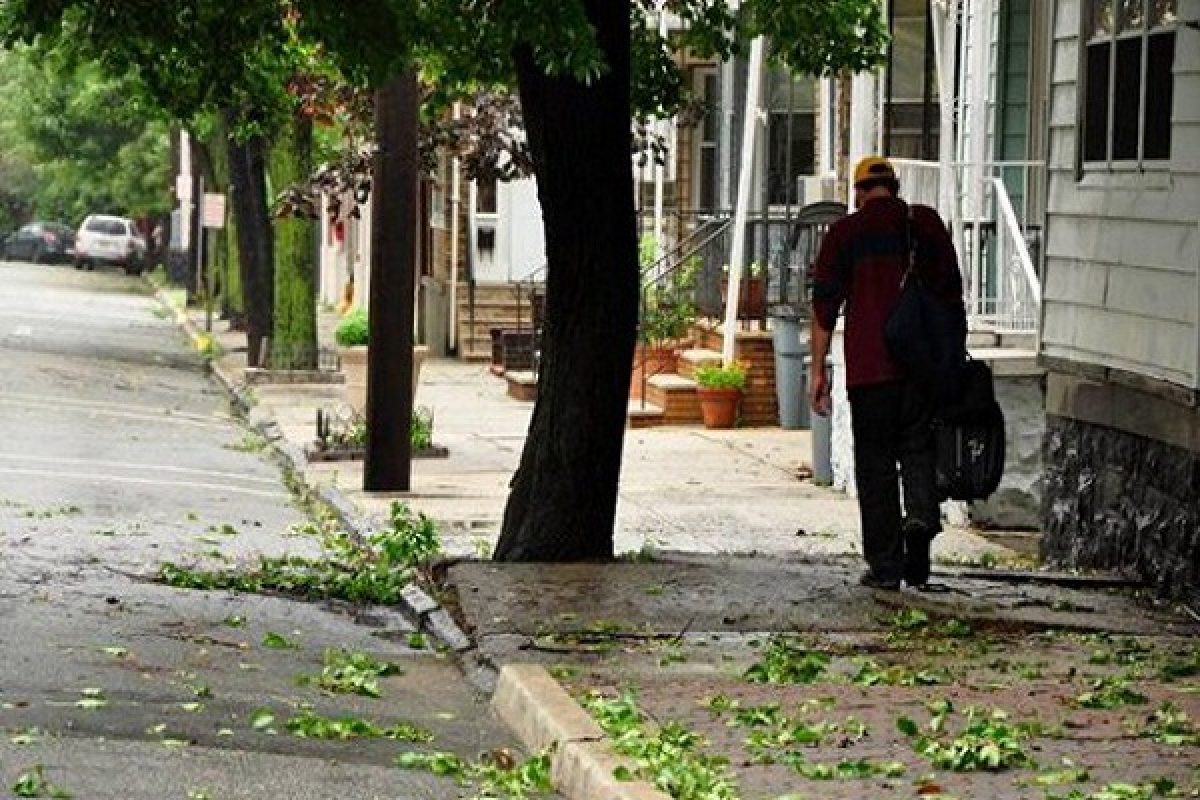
(988, 743)
(310, 725)
(349, 672)
(372, 571)
(277, 641)
(1109, 693)
(33, 783)
(496, 775)
(669, 758)
(92, 699)
(1171, 726)
(787, 661)
(1163, 787)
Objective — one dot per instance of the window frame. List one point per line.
(1143, 34)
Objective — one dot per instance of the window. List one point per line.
(791, 135)
(1128, 85)
(911, 113)
(707, 141)
(485, 198)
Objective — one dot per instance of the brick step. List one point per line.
(689, 360)
(522, 386)
(676, 396)
(644, 415)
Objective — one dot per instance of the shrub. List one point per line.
(730, 376)
(352, 330)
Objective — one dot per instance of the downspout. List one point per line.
(738, 254)
(455, 203)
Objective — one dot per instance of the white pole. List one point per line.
(660, 126)
(745, 177)
(455, 202)
(945, 40)
(979, 74)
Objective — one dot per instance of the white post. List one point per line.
(455, 203)
(660, 126)
(745, 178)
(978, 86)
(945, 30)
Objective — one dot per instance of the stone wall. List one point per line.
(1115, 500)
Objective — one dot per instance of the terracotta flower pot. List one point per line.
(719, 407)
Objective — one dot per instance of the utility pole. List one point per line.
(388, 464)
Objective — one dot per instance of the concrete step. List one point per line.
(982, 338)
(1010, 361)
(522, 386)
(697, 357)
(645, 415)
(676, 396)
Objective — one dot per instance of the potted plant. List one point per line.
(720, 391)
(351, 336)
(752, 292)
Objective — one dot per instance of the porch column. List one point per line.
(745, 178)
(945, 41)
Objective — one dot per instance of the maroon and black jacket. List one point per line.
(862, 261)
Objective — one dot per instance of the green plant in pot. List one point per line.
(720, 391)
(352, 334)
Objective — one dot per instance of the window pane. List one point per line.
(1163, 12)
(787, 158)
(783, 97)
(1159, 90)
(485, 200)
(1131, 14)
(908, 58)
(1095, 119)
(1127, 98)
(708, 179)
(1102, 18)
(712, 101)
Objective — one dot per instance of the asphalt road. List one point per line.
(118, 452)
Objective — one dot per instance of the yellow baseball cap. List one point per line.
(873, 168)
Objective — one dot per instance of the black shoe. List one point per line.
(916, 553)
(873, 581)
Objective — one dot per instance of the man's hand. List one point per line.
(818, 393)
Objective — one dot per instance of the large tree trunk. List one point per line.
(224, 240)
(256, 253)
(294, 341)
(564, 494)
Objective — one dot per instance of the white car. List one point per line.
(110, 240)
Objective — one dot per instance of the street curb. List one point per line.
(416, 606)
(542, 715)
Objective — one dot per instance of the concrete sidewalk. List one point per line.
(1057, 676)
(682, 489)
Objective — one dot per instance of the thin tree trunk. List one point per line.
(224, 240)
(248, 193)
(563, 501)
(294, 341)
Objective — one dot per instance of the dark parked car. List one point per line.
(41, 242)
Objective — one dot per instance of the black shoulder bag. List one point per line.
(924, 336)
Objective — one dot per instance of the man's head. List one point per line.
(874, 177)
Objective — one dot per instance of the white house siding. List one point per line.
(1123, 249)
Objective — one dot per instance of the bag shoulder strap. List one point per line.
(910, 248)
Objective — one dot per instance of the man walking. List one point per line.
(861, 266)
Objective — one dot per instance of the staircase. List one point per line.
(671, 398)
(496, 306)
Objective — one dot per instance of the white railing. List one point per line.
(919, 181)
(1012, 301)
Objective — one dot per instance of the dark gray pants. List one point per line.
(891, 423)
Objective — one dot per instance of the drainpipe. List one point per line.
(745, 177)
(455, 203)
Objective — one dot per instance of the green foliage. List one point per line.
(74, 141)
(788, 662)
(668, 310)
(33, 783)
(374, 571)
(1109, 693)
(670, 758)
(988, 743)
(347, 672)
(730, 376)
(353, 329)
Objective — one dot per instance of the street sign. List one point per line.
(214, 211)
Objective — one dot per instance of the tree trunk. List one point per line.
(294, 341)
(224, 240)
(256, 253)
(564, 493)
